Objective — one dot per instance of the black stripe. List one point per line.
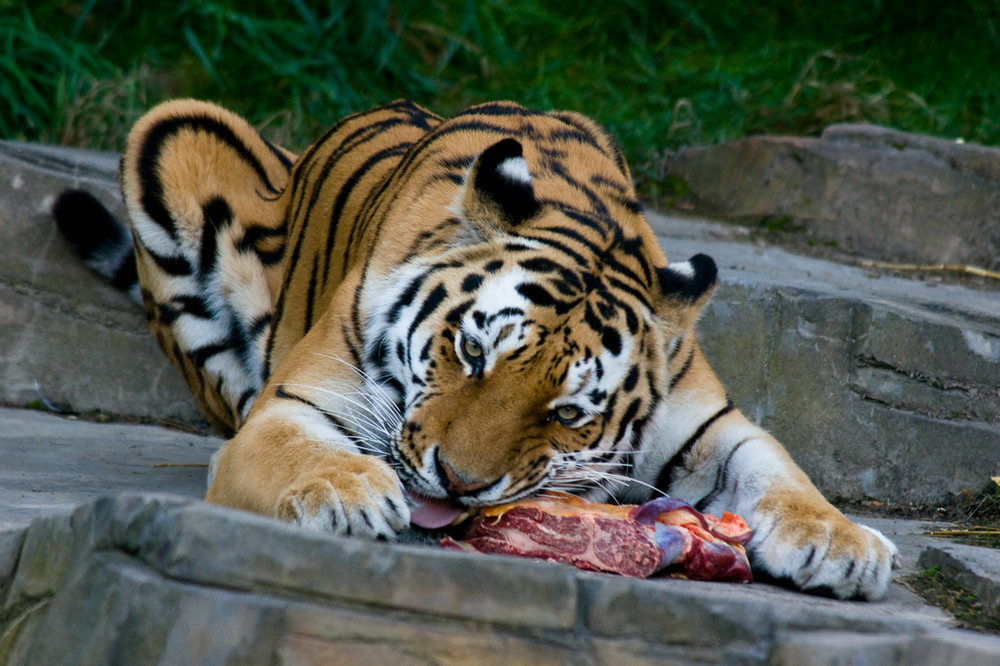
(192, 305)
(635, 249)
(630, 412)
(244, 399)
(632, 379)
(284, 159)
(149, 159)
(540, 265)
(498, 108)
(721, 479)
(631, 291)
(591, 319)
(676, 350)
(202, 354)
(217, 215)
(505, 312)
(430, 304)
(406, 298)
(337, 424)
(471, 282)
(259, 325)
(365, 131)
(454, 315)
(355, 346)
(598, 225)
(569, 232)
(254, 235)
(537, 294)
(344, 193)
(574, 121)
(311, 295)
(273, 257)
(623, 270)
(176, 265)
(611, 340)
(683, 371)
(663, 480)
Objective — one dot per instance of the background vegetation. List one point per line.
(659, 74)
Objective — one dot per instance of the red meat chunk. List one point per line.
(663, 537)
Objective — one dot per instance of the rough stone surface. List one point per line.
(148, 578)
(157, 578)
(51, 464)
(975, 569)
(862, 377)
(874, 191)
(65, 337)
(809, 649)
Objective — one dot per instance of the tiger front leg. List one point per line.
(798, 536)
(285, 464)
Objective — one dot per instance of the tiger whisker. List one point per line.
(369, 381)
(364, 412)
(358, 443)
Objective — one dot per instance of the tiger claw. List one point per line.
(370, 504)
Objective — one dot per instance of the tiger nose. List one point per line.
(452, 481)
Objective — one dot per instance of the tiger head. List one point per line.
(532, 353)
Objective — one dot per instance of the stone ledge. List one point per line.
(148, 577)
(861, 376)
(975, 569)
(872, 191)
(67, 338)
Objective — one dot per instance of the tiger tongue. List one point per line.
(432, 513)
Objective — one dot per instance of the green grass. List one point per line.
(659, 75)
(938, 589)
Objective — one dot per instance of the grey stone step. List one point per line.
(141, 575)
(880, 387)
(146, 578)
(872, 190)
(52, 465)
(66, 338)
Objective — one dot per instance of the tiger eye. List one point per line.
(568, 413)
(472, 348)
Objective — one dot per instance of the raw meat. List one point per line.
(664, 537)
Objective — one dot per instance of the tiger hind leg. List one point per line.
(203, 192)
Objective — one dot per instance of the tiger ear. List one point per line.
(685, 287)
(499, 194)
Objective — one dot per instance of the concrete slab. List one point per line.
(142, 578)
(54, 470)
(65, 337)
(51, 465)
(975, 569)
(861, 376)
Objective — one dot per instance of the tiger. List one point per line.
(421, 316)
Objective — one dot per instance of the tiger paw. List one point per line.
(358, 496)
(825, 555)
